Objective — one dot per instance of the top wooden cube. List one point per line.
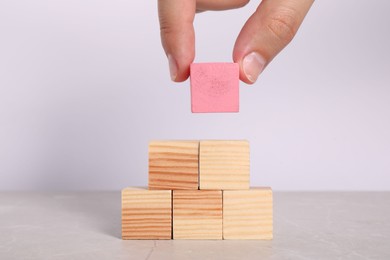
(173, 165)
(214, 87)
(224, 165)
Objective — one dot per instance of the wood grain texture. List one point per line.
(174, 165)
(224, 165)
(247, 214)
(146, 214)
(197, 214)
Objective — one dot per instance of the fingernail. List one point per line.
(172, 67)
(253, 64)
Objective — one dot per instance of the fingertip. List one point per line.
(172, 67)
(251, 66)
(183, 76)
(270, 28)
(179, 68)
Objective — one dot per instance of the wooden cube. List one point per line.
(197, 214)
(247, 214)
(146, 214)
(224, 165)
(174, 165)
(214, 87)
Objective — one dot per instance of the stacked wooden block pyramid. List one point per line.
(197, 190)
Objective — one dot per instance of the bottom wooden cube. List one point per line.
(146, 214)
(247, 214)
(197, 214)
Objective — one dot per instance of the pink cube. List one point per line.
(214, 87)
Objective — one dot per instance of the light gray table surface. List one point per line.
(87, 225)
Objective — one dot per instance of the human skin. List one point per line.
(267, 31)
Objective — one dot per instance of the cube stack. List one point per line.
(198, 190)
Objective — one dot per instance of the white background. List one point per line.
(84, 86)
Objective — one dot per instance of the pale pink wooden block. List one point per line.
(214, 87)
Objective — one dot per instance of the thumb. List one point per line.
(266, 33)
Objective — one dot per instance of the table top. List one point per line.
(87, 225)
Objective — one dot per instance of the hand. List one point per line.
(271, 27)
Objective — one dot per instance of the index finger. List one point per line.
(177, 35)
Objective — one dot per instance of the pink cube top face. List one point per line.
(214, 87)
